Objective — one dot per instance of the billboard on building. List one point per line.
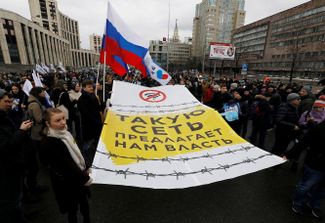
(223, 51)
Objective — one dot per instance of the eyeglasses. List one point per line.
(318, 108)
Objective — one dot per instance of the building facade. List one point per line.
(215, 21)
(158, 52)
(290, 43)
(45, 12)
(171, 54)
(25, 43)
(179, 55)
(70, 31)
(95, 43)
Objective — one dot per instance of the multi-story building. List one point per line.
(172, 54)
(158, 52)
(24, 43)
(290, 43)
(69, 29)
(95, 43)
(45, 12)
(179, 55)
(215, 21)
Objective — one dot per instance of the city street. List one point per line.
(137, 78)
(264, 196)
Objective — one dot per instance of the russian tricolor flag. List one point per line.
(122, 46)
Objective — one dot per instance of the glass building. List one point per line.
(215, 21)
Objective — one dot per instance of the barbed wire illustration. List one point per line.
(177, 174)
(152, 111)
(156, 106)
(181, 159)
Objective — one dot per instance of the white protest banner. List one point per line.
(40, 69)
(27, 87)
(222, 51)
(37, 79)
(164, 138)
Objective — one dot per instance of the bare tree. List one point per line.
(296, 48)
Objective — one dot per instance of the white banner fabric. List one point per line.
(164, 138)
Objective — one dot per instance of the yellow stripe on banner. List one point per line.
(158, 137)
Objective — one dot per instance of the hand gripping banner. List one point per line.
(164, 138)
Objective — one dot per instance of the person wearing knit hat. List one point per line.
(293, 96)
(322, 97)
(314, 116)
(307, 88)
(319, 104)
(308, 192)
(286, 121)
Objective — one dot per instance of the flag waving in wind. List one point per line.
(121, 46)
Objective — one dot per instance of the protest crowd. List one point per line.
(57, 127)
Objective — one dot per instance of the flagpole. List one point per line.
(104, 76)
(97, 78)
(168, 36)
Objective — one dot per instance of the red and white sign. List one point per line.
(222, 51)
(153, 96)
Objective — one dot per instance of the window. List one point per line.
(1, 56)
(25, 42)
(11, 40)
(315, 54)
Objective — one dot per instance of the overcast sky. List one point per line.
(148, 18)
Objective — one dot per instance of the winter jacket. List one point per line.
(67, 178)
(91, 121)
(314, 142)
(287, 118)
(12, 162)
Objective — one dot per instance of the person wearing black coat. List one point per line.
(68, 170)
(311, 187)
(287, 128)
(12, 139)
(261, 115)
(91, 120)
